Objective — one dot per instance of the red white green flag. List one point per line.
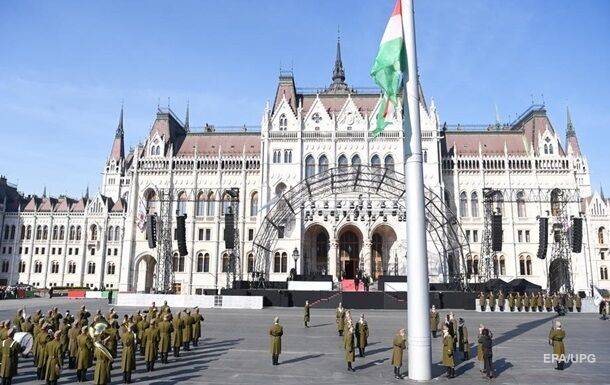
(390, 68)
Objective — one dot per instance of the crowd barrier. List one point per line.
(310, 285)
(189, 301)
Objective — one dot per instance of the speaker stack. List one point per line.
(181, 234)
(496, 232)
(576, 235)
(229, 231)
(151, 231)
(543, 237)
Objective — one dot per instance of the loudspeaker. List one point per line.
(576, 235)
(496, 232)
(151, 231)
(181, 234)
(543, 234)
(229, 231)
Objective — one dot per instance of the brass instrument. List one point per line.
(95, 332)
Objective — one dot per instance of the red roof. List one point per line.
(491, 143)
(210, 143)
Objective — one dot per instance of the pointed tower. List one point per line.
(186, 118)
(338, 84)
(118, 146)
(571, 139)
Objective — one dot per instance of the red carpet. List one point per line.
(349, 285)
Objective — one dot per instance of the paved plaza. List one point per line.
(236, 342)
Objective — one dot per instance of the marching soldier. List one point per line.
(42, 339)
(64, 339)
(187, 330)
(128, 354)
(501, 300)
(152, 311)
(18, 320)
(165, 308)
(555, 301)
(83, 316)
(165, 337)
(84, 356)
(27, 326)
(276, 332)
(73, 344)
(53, 355)
(452, 327)
(556, 337)
(340, 318)
(35, 332)
(142, 326)
(511, 301)
(9, 349)
(570, 302)
(362, 334)
(103, 362)
(463, 345)
(69, 317)
(486, 347)
(347, 320)
(399, 345)
(197, 319)
(480, 356)
(37, 317)
(348, 344)
(577, 302)
(448, 360)
(518, 302)
(548, 302)
(526, 302)
(482, 301)
(112, 338)
(434, 320)
(307, 314)
(150, 341)
(492, 301)
(178, 325)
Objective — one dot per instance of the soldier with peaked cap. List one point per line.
(165, 337)
(64, 339)
(69, 317)
(501, 300)
(548, 302)
(37, 316)
(518, 302)
(165, 308)
(463, 344)
(276, 332)
(448, 359)
(27, 326)
(511, 301)
(556, 337)
(111, 340)
(482, 301)
(83, 316)
(142, 326)
(540, 301)
(362, 334)
(492, 301)
(103, 361)
(73, 344)
(151, 345)
(434, 320)
(349, 346)
(128, 353)
(399, 345)
(526, 302)
(18, 320)
(53, 356)
(177, 325)
(152, 311)
(187, 330)
(84, 356)
(9, 349)
(41, 340)
(577, 302)
(340, 319)
(570, 302)
(307, 311)
(197, 319)
(35, 331)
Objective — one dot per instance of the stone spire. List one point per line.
(570, 132)
(571, 139)
(118, 146)
(186, 119)
(338, 83)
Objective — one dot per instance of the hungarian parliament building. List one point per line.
(100, 241)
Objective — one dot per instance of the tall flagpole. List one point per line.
(418, 326)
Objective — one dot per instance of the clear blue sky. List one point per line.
(65, 66)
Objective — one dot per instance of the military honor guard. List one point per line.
(548, 302)
(448, 359)
(150, 340)
(85, 354)
(349, 346)
(463, 345)
(526, 302)
(178, 325)
(480, 356)
(511, 301)
(340, 318)
(197, 319)
(9, 352)
(103, 358)
(492, 301)
(434, 320)
(53, 359)
(128, 353)
(518, 302)
(577, 302)
(570, 302)
(501, 300)
(486, 347)
(556, 337)
(482, 301)
(165, 337)
(398, 347)
(307, 314)
(41, 340)
(276, 331)
(18, 320)
(72, 344)
(362, 335)
(187, 330)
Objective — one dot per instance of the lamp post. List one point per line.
(295, 256)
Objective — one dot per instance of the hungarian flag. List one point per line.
(390, 68)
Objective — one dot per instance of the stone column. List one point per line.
(333, 256)
(366, 256)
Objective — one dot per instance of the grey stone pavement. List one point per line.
(236, 343)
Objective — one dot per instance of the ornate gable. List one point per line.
(350, 118)
(317, 117)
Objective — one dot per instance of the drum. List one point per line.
(26, 341)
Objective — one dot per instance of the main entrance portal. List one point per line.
(349, 253)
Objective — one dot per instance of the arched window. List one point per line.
(45, 232)
(254, 204)
(110, 232)
(181, 203)
(206, 263)
(71, 267)
(22, 235)
(356, 161)
(91, 268)
(521, 213)
(200, 263)
(342, 162)
(178, 263)
(110, 269)
(38, 233)
(279, 189)
(284, 262)
(322, 163)
(37, 267)
(54, 267)
(151, 201)
(283, 122)
(250, 267)
(528, 265)
(226, 262)
(310, 166)
(7, 231)
(546, 149)
(22, 266)
(93, 232)
(13, 232)
(79, 233)
(287, 156)
(29, 233)
(211, 207)
(603, 273)
(474, 204)
(475, 265)
(277, 262)
(54, 234)
(376, 161)
(117, 234)
(200, 209)
(600, 235)
(551, 148)
(469, 264)
(62, 233)
(226, 203)
(72, 233)
(389, 162)
(463, 204)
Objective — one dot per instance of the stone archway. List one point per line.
(382, 241)
(144, 277)
(315, 250)
(350, 245)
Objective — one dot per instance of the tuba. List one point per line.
(95, 332)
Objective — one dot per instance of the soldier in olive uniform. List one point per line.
(448, 359)
(9, 349)
(492, 301)
(362, 334)
(486, 347)
(178, 325)
(103, 363)
(111, 340)
(197, 319)
(150, 340)
(18, 320)
(73, 345)
(276, 332)
(398, 347)
(128, 353)
(27, 326)
(570, 302)
(556, 337)
(307, 314)
(84, 356)
(165, 338)
(83, 316)
(577, 302)
(548, 302)
(482, 301)
(64, 339)
(53, 356)
(518, 302)
(434, 320)
(501, 300)
(42, 339)
(340, 318)
(511, 301)
(555, 301)
(463, 345)
(526, 302)
(349, 346)
(142, 326)
(187, 330)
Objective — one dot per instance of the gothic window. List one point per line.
(287, 156)
(376, 161)
(250, 267)
(310, 166)
(37, 267)
(425, 156)
(151, 201)
(323, 163)
(206, 263)
(29, 233)
(210, 209)
(22, 235)
(463, 205)
(117, 234)
(283, 122)
(356, 161)
(546, 149)
(521, 205)
(474, 204)
(62, 233)
(200, 209)
(93, 233)
(71, 267)
(475, 265)
(22, 267)
(55, 233)
(498, 199)
(110, 233)
(6, 231)
(181, 203)
(13, 232)
(200, 263)
(254, 204)
(54, 267)
(551, 148)
(603, 273)
(277, 262)
(389, 162)
(45, 233)
(226, 203)
(91, 268)
(502, 265)
(284, 262)
(226, 261)
(342, 161)
(110, 269)
(79, 233)
(600, 235)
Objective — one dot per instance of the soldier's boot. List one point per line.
(129, 377)
(363, 352)
(83, 375)
(196, 342)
